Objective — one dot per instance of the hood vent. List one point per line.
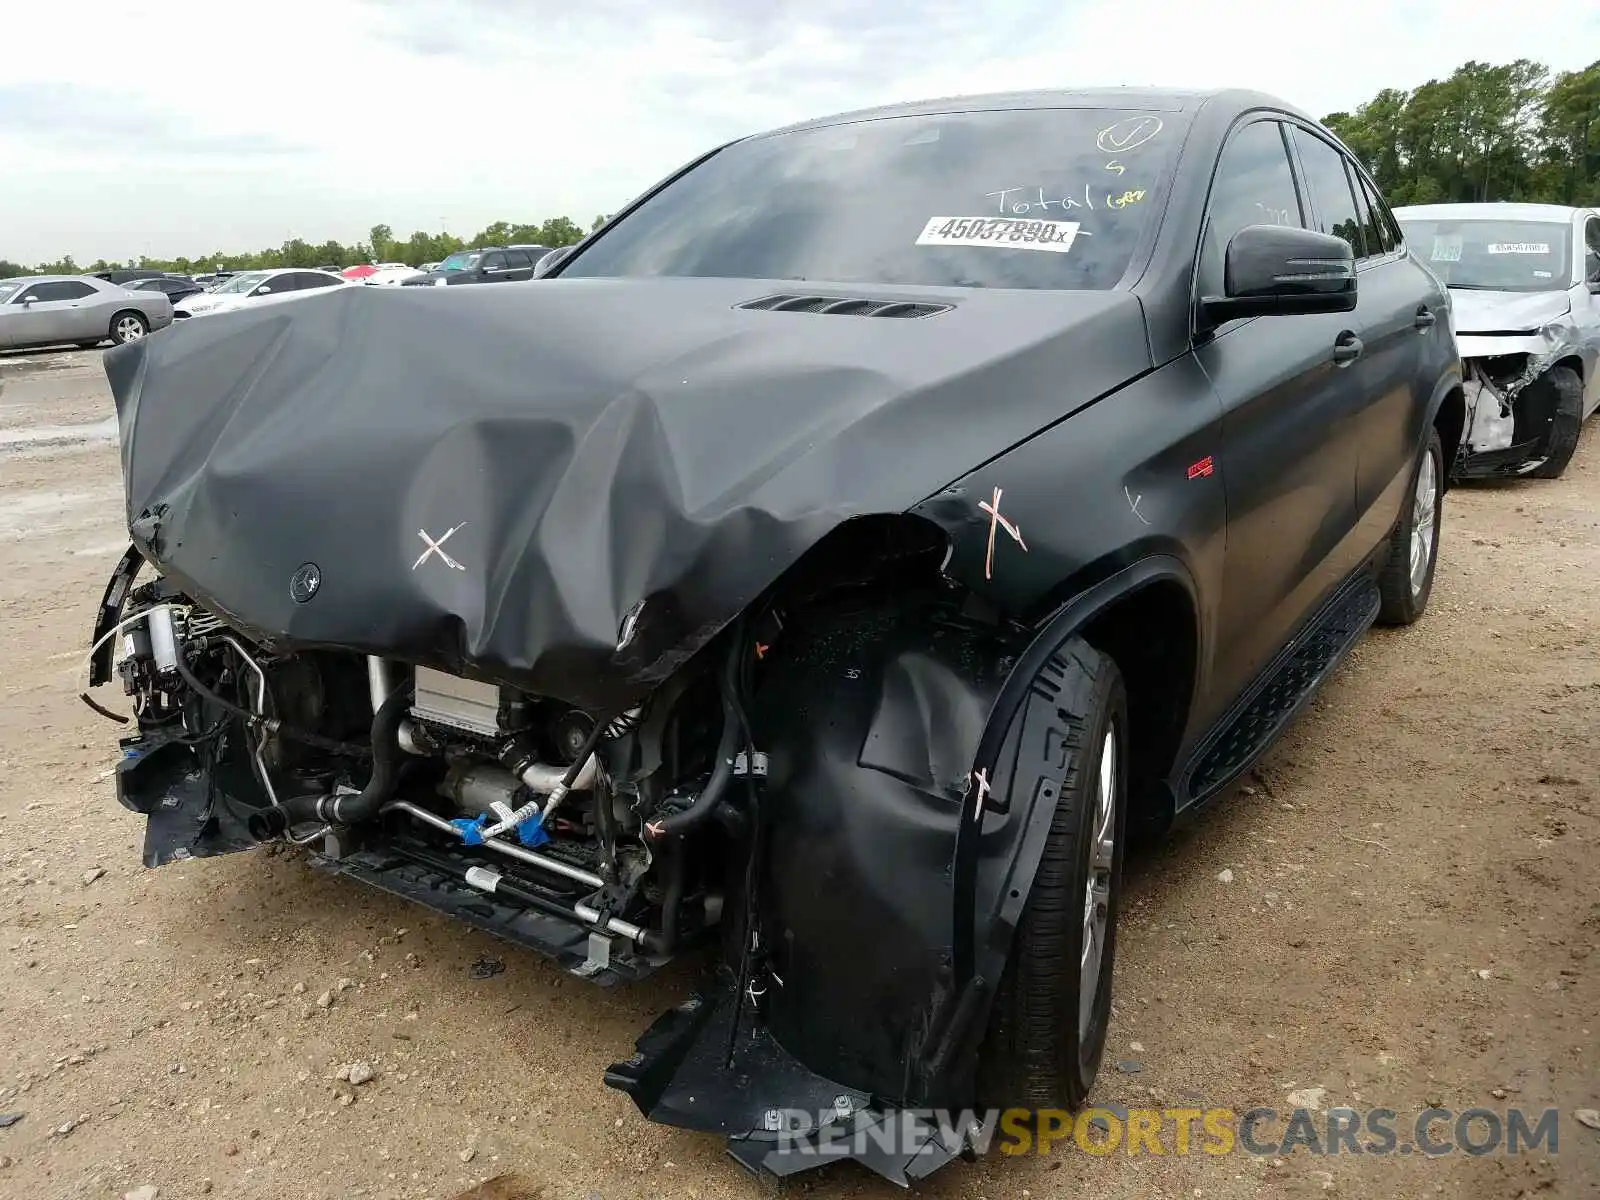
(845, 307)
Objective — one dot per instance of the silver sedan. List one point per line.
(52, 310)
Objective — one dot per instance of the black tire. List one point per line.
(122, 325)
(1403, 600)
(1035, 1055)
(1566, 420)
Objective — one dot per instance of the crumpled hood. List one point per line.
(1506, 312)
(494, 480)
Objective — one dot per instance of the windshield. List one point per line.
(459, 262)
(7, 287)
(1494, 255)
(235, 284)
(1042, 198)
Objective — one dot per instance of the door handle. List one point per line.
(1347, 349)
(1425, 319)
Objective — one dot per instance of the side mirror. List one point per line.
(27, 302)
(262, 290)
(1277, 270)
(551, 261)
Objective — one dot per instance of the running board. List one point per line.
(1302, 667)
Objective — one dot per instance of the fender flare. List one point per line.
(992, 873)
(1450, 381)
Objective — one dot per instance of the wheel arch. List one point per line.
(993, 870)
(1447, 413)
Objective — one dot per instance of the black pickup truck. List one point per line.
(833, 563)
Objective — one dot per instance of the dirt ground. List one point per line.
(1410, 920)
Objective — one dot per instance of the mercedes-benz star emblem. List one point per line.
(303, 584)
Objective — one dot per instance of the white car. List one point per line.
(390, 274)
(257, 287)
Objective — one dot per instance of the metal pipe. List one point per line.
(544, 778)
(261, 711)
(555, 866)
(380, 683)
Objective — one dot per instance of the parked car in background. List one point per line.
(1524, 283)
(392, 274)
(428, 266)
(854, 579)
(121, 275)
(258, 287)
(487, 264)
(174, 287)
(533, 250)
(50, 310)
(212, 278)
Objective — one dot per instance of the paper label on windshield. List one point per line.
(1446, 248)
(1519, 247)
(1004, 233)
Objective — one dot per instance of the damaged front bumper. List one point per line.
(695, 1070)
(1511, 410)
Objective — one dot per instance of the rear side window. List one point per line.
(1253, 185)
(306, 281)
(1380, 238)
(518, 258)
(1329, 184)
(69, 289)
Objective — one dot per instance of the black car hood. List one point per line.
(571, 450)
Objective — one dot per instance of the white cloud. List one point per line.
(176, 126)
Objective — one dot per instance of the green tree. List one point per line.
(1488, 132)
(560, 231)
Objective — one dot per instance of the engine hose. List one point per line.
(705, 804)
(558, 793)
(344, 808)
(269, 724)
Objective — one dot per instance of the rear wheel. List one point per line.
(1047, 1032)
(1566, 419)
(128, 327)
(1407, 579)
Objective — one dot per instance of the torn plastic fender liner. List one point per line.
(492, 480)
(992, 875)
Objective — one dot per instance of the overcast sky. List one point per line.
(171, 127)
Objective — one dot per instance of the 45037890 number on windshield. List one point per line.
(1003, 232)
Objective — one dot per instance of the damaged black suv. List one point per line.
(832, 565)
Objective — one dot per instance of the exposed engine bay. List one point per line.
(530, 802)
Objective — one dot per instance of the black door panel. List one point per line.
(1289, 465)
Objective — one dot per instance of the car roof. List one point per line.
(55, 279)
(1504, 209)
(1173, 100)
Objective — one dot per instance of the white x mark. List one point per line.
(980, 784)
(992, 507)
(434, 547)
